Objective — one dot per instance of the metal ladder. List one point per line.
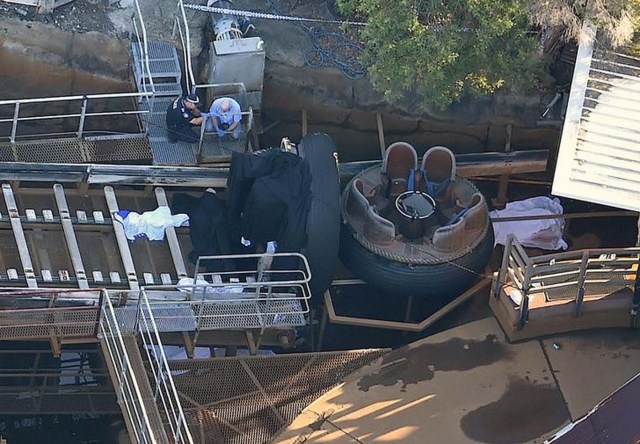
(164, 79)
(156, 69)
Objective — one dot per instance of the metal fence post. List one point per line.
(14, 127)
(83, 113)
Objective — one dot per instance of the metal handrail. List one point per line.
(164, 385)
(82, 114)
(183, 27)
(143, 46)
(571, 269)
(52, 319)
(129, 391)
(263, 296)
(242, 92)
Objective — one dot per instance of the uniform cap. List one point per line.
(193, 98)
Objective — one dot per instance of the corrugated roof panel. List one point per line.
(599, 154)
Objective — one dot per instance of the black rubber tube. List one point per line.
(323, 222)
(439, 282)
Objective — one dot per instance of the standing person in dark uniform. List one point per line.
(182, 115)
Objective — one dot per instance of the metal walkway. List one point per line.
(51, 240)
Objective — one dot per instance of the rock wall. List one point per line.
(91, 52)
(342, 107)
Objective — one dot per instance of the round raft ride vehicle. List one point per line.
(415, 231)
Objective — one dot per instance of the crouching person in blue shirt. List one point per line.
(225, 116)
(182, 115)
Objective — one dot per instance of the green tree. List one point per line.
(437, 50)
(617, 20)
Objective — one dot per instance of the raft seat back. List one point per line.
(464, 226)
(400, 159)
(450, 238)
(438, 169)
(357, 204)
(375, 228)
(476, 217)
(370, 195)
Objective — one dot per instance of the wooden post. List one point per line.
(501, 199)
(304, 122)
(383, 145)
(323, 325)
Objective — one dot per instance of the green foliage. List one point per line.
(617, 20)
(437, 50)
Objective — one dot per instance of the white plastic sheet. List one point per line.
(537, 233)
(150, 224)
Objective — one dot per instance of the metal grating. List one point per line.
(76, 150)
(46, 323)
(248, 400)
(164, 89)
(116, 150)
(6, 152)
(173, 317)
(179, 153)
(156, 50)
(52, 150)
(164, 68)
(250, 314)
(221, 315)
(599, 155)
(215, 148)
(156, 125)
(127, 318)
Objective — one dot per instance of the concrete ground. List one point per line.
(469, 385)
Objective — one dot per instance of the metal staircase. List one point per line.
(164, 76)
(156, 70)
(141, 376)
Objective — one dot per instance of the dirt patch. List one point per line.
(78, 16)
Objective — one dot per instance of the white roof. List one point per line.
(599, 154)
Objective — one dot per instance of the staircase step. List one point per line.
(147, 396)
(164, 89)
(163, 64)
(159, 69)
(157, 50)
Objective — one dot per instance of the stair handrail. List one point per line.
(127, 379)
(157, 359)
(143, 46)
(181, 25)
